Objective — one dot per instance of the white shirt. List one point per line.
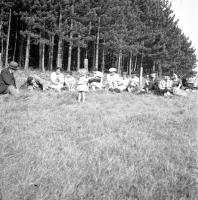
(124, 81)
(70, 81)
(134, 81)
(113, 80)
(57, 78)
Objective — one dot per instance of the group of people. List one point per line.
(96, 80)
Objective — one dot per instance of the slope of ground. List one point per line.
(114, 146)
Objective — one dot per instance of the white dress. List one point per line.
(82, 84)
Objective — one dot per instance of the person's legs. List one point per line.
(83, 97)
(56, 87)
(79, 96)
(13, 91)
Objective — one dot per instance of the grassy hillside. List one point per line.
(115, 146)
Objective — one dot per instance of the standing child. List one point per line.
(82, 85)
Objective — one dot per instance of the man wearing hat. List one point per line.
(7, 80)
(57, 79)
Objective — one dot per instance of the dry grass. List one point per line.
(115, 146)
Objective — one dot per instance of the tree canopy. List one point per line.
(125, 34)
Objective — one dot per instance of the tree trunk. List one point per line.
(1, 35)
(43, 58)
(8, 39)
(103, 59)
(21, 55)
(160, 70)
(119, 61)
(69, 55)
(130, 63)
(40, 54)
(97, 45)
(141, 72)
(27, 55)
(70, 42)
(135, 65)
(15, 42)
(153, 66)
(60, 43)
(94, 57)
(78, 58)
(51, 53)
(86, 50)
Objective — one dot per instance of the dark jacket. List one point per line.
(7, 78)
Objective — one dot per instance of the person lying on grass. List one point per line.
(7, 80)
(82, 85)
(57, 79)
(35, 82)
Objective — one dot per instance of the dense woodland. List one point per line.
(127, 34)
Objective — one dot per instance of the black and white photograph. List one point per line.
(98, 99)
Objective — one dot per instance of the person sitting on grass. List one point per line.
(70, 81)
(7, 80)
(96, 82)
(147, 83)
(35, 82)
(133, 83)
(123, 83)
(177, 84)
(57, 79)
(112, 79)
(165, 86)
(82, 85)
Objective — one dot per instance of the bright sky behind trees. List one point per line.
(187, 13)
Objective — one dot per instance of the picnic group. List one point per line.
(96, 80)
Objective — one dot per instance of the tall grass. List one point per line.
(114, 146)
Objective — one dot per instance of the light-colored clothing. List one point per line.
(57, 81)
(82, 84)
(162, 84)
(70, 83)
(169, 84)
(135, 81)
(123, 84)
(57, 78)
(113, 80)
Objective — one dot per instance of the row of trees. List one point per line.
(130, 35)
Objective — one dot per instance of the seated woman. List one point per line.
(177, 84)
(112, 79)
(96, 82)
(57, 79)
(147, 83)
(123, 82)
(165, 86)
(70, 81)
(133, 83)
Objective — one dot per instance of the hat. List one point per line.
(13, 65)
(112, 70)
